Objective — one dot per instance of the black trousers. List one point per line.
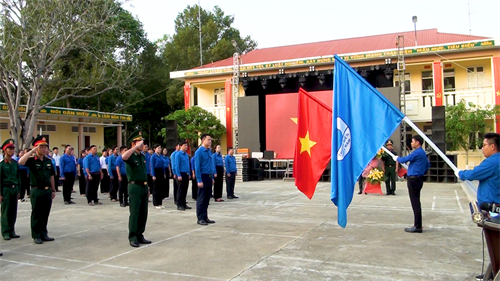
(390, 183)
(158, 186)
(194, 188)
(82, 183)
(92, 187)
(219, 180)
(182, 191)
(123, 190)
(151, 184)
(203, 199)
(176, 189)
(68, 182)
(230, 181)
(166, 187)
(361, 180)
(41, 202)
(57, 177)
(105, 181)
(25, 184)
(414, 187)
(113, 185)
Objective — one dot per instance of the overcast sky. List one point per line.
(278, 22)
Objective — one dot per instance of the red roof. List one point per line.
(345, 46)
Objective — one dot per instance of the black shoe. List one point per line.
(126, 204)
(122, 205)
(480, 277)
(388, 193)
(66, 203)
(209, 221)
(187, 207)
(71, 202)
(393, 193)
(144, 241)
(38, 241)
(235, 197)
(1, 254)
(6, 237)
(230, 197)
(361, 192)
(134, 244)
(180, 208)
(202, 223)
(14, 235)
(413, 229)
(47, 238)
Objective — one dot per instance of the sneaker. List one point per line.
(66, 203)
(91, 204)
(480, 277)
(158, 207)
(163, 207)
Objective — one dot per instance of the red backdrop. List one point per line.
(281, 131)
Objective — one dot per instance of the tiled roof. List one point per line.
(344, 46)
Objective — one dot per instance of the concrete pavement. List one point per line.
(272, 232)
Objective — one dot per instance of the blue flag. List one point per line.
(363, 119)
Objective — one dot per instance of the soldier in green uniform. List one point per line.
(43, 189)
(391, 169)
(10, 177)
(135, 164)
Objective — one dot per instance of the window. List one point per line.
(407, 82)
(92, 129)
(4, 126)
(427, 83)
(195, 96)
(51, 128)
(46, 128)
(475, 77)
(219, 97)
(74, 129)
(449, 80)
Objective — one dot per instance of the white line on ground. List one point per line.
(458, 202)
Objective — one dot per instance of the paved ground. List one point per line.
(272, 232)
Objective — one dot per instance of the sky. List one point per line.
(278, 22)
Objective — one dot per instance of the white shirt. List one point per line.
(56, 158)
(102, 161)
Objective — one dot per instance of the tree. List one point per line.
(52, 50)
(193, 122)
(465, 125)
(182, 50)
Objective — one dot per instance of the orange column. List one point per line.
(496, 87)
(438, 82)
(187, 91)
(229, 112)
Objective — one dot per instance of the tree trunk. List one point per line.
(467, 158)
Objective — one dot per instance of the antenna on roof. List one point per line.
(468, 10)
(199, 28)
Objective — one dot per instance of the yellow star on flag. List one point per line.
(306, 144)
(295, 120)
(498, 93)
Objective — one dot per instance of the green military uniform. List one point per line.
(390, 171)
(9, 191)
(41, 172)
(137, 191)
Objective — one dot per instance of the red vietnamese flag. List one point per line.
(313, 143)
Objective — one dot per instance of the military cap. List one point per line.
(135, 136)
(40, 140)
(8, 144)
(389, 142)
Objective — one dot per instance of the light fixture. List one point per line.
(282, 82)
(263, 83)
(388, 61)
(311, 68)
(281, 71)
(414, 20)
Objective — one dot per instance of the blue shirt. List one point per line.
(230, 162)
(419, 164)
(172, 158)
(203, 163)
(80, 162)
(217, 158)
(21, 167)
(92, 163)
(120, 163)
(192, 164)
(166, 163)
(148, 160)
(488, 174)
(67, 164)
(157, 163)
(181, 163)
(111, 161)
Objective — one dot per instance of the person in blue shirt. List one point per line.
(204, 170)
(168, 173)
(194, 183)
(94, 174)
(419, 164)
(146, 154)
(25, 177)
(488, 172)
(82, 182)
(113, 175)
(176, 184)
(219, 174)
(67, 167)
(121, 173)
(182, 173)
(158, 176)
(231, 171)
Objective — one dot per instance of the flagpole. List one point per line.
(436, 149)
(392, 155)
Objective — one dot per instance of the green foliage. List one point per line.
(193, 122)
(181, 51)
(464, 121)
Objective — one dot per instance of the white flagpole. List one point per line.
(436, 149)
(392, 155)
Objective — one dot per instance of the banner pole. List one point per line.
(392, 155)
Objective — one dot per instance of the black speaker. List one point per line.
(439, 127)
(171, 138)
(269, 154)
